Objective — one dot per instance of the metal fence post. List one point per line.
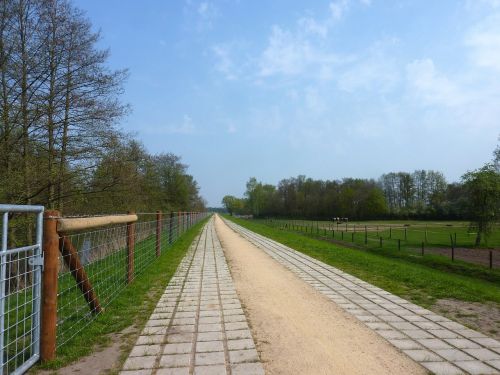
(130, 250)
(49, 294)
(158, 233)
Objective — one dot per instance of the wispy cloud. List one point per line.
(484, 43)
(432, 87)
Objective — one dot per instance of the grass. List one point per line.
(132, 306)
(422, 280)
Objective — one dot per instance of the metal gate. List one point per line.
(21, 262)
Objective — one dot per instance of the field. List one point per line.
(430, 281)
(451, 239)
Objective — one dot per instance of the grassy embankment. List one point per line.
(423, 280)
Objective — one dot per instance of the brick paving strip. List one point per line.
(439, 344)
(198, 326)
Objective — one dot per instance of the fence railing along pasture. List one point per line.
(456, 241)
(89, 261)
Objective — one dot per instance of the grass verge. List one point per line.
(132, 306)
(423, 280)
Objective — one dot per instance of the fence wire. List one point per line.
(86, 287)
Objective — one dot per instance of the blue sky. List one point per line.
(329, 89)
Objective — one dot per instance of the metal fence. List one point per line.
(108, 260)
(20, 289)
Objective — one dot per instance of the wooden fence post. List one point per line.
(158, 233)
(171, 228)
(130, 250)
(49, 293)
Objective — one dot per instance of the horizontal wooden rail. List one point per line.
(76, 224)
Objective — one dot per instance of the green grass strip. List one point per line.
(132, 306)
(423, 280)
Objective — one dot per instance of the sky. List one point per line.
(328, 89)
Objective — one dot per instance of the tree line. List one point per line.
(60, 106)
(396, 195)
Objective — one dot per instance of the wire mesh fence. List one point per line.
(453, 240)
(95, 266)
(20, 287)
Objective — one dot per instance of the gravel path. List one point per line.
(440, 345)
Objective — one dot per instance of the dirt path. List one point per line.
(298, 330)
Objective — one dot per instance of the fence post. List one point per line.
(406, 235)
(390, 232)
(158, 233)
(352, 237)
(423, 244)
(130, 250)
(399, 244)
(491, 259)
(49, 293)
(452, 248)
(171, 228)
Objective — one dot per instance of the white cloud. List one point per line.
(431, 87)
(224, 62)
(338, 8)
(185, 127)
(376, 70)
(484, 42)
(290, 54)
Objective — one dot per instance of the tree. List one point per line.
(483, 191)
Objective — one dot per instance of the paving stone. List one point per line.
(240, 356)
(175, 360)
(181, 348)
(476, 367)
(434, 343)
(444, 334)
(180, 337)
(209, 346)
(138, 363)
(421, 355)
(173, 371)
(213, 358)
(240, 344)
(209, 336)
(417, 334)
(150, 339)
(235, 326)
(494, 363)
(145, 350)
(453, 355)
(210, 327)
(210, 370)
(463, 343)
(405, 344)
(247, 369)
(391, 334)
(239, 334)
(483, 354)
(137, 372)
(487, 341)
(442, 368)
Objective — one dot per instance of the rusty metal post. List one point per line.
(49, 293)
(130, 250)
(158, 233)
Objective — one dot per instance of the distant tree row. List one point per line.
(59, 109)
(419, 195)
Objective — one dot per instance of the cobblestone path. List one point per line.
(442, 346)
(198, 326)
